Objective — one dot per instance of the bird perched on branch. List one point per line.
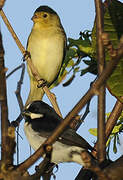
(46, 46)
(40, 121)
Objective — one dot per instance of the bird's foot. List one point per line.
(41, 83)
(26, 55)
(50, 170)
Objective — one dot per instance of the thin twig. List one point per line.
(79, 119)
(101, 97)
(91, 92)
(31, 66)
(20, 82)
(13, 71)
(19, 85)
(84, 115)
(19, 99)
(20, 102)
(115, 114)
(17, 121)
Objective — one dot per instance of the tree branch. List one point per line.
(2, 2)
(101, 97)
(115, 170)
(18, 90)
(3, 102)
(92, 165)
(115, 114)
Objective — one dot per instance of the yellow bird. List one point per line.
(46, 45)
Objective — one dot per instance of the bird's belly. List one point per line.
(34, 140)
(64, 153)
(61, 152)
(47, 55)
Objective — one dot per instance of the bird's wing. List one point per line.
(64, 53)
(70, 137)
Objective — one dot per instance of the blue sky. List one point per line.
(75, 16)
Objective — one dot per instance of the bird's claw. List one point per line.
(41, 83)
(26, 55)
(50, 170)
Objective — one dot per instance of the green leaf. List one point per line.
(114, 145)
(70, 54)
(83, 46)
(93, 131)
(59, 79)
(69, 81)
(92, 67)
(70, 63)
(116, 129)
(118, 139)
(76, 69)
(113, 25)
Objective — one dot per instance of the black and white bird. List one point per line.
(40, 121)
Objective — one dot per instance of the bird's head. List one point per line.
(33, 110)
(45, 16)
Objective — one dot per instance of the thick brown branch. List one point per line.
(92, 165)
(3, 102)
(10, 146)
(101, 97)
(115, 170)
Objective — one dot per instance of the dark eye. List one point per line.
(32, 108)
(44, 15)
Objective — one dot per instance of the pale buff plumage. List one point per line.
(46, 44)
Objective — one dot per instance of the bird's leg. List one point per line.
(26, 55)
(48, 150)
(50, 168)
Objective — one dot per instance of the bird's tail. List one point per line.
(35, 92)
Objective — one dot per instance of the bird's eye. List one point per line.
(44, 15)
(32, 108)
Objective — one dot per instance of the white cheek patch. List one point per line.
(34, 115)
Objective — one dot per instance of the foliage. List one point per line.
(114, 137)
(84, 50)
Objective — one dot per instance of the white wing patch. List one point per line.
(34, 115)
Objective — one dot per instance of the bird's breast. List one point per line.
(46, 49)
(33, 137)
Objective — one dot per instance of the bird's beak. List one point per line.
(25, 113)
(34, 17)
